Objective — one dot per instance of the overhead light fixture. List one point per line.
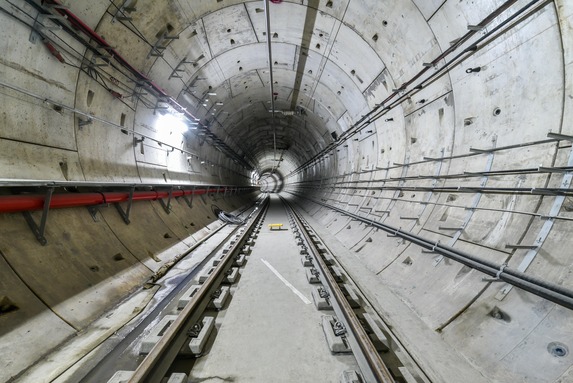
(212, 94)
(219, 103)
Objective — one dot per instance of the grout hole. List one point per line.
(6, 305)
(90, 97)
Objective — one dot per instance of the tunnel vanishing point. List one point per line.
(430, 139)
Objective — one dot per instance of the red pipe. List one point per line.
(17, 203)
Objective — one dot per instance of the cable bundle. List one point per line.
(227, 217)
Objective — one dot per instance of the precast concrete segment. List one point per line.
(267, 333)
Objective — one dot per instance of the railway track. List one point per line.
(180, 344)
(378, 352)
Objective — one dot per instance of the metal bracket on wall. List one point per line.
(125, 214)
(533, 250)
(158, 48)
(167, 206)
(40, 25)
(178, 69)
(475, 202)
(39, 230)
(93, 210)
(122, 12)
(189, 201)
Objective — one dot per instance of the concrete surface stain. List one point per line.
(20, 68)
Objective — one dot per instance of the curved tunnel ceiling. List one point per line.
(301, 57)
(327, 69)
(444, 118)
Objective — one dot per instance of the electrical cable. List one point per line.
(381, 109)
(226, 217)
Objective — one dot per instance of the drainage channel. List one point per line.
(350, 324)
(168, 348)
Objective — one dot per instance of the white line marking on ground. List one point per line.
(287, 283)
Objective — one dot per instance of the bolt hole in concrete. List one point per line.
(496, 111)
(452, 197)
(384, 23)
(557, 349)
(497, 313)
(7, 306)
(167, 235)
(468, 121)
(118, 257)
(95, 269)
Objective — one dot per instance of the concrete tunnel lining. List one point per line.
(422, 165)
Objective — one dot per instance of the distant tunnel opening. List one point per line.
(271, 182)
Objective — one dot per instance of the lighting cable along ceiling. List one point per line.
(271, 81)
(76, 24)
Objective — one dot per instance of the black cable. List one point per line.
(550, 291)
(382, 109)
(226, 217)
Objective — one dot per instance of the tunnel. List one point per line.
(427, 142)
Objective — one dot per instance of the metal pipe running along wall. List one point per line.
(20, 203)
(550, 291)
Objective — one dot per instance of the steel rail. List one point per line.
(371, 364)
(548, 290)
(156, 364)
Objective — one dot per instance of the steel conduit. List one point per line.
(550, 291)
(19, 203)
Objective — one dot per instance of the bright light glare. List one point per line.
(169, 124)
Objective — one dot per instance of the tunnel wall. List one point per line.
(49, 294)
(526, 74)
(88, 266)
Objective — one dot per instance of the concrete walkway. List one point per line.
(271, 331)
